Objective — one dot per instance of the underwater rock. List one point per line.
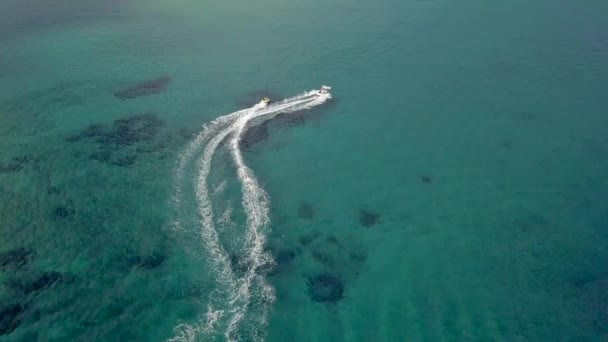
(282, 258)
(368, 218)
(144, 88)
(306, 211)
(254, 135)
(238, 264)
(285, 256)
(124, 161)
(126, 260)
(53, 190)
(10, 167)
(63, 211)
(152, 261)
(325, 288)
(306, 239)
(128, 131)
(46, 280)
(300, 117)
(426, 179)
(357, 257)
(125, 131)
(332, 239)
(594, 296)
(140, 128)
(10, 318)
(91, 131)
(293, 119)
(102, 156)
(186, 133)
(15, 259)
(322, 257)
(152, 148)
(16, 164)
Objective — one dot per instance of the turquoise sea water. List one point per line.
(453, 189)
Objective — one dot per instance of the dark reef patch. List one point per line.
(332, 239)
(239, 264)
(322, 257)
(46, 280)
(282, 259)
(186, 133)
(357, 257)
(254, 135)
(124, 161)
(306, 211)
(17, 164)
(300, 117)
(102, 156)
(53, 190)
(152, 261)
(148, 87)
(368, 218)
(35, 285)
(325, 288)
(261, 132)
(10, 318)
(15, 259)
(11, 166)
(91, 131)
(136, 128)
(61, 212)
(426, 179)
(285, 256)
(139, 130)
(594, 296)
(130, 259)
(64, 211)
(47, 100)
(126, 260)
(306, 239)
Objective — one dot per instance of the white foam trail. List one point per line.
(208, 131)
(220, 187)
(256, 204)
(235, 290)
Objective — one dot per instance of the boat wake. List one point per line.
(238, 306)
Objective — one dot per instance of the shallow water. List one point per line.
(452, 189)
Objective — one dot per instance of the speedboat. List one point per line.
(266, 100)
(324, 90)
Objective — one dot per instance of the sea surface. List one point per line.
(452, 186)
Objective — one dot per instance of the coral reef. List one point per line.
(148, 87)
(139, 130)
(306, 211)
(10, 318)
(368, 218)
(306, 239)
(15, 259)
(254, 135)
(325, 288)
(152, 261)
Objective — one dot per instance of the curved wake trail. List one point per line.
(234, 292)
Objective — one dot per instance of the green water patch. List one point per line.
(87, 248)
